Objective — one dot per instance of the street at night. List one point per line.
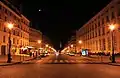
(59, 38)
(58, 67)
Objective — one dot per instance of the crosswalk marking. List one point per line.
(56, 61)
(39, 61)
(61, 61)
(72, 60)
(66, 61)
(49, 61)
(79, 61)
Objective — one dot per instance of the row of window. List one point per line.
(14, 41)
(101, 44)
(14, 32)
(97, 26)
(17, 24)
(12, 15)
(7, 16)
(93, 34)
(94, 26)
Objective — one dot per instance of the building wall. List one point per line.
(35, 35)
(20, 32)
(96, 35)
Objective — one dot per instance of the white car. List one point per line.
(71, 54)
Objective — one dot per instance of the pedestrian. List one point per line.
(30, 54)
(110, 57)
(33, 55)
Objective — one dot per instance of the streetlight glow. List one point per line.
(80, 41)
(46, 45)
(49, 46)
(39, 41)
(68, 47)
(71, 45)
(10, 26)
(112, 27)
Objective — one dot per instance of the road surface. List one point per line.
(61, 66)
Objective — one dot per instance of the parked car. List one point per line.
(71, 54)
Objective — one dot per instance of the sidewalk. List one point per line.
(16, 59)
(94, 59)
(105, 59)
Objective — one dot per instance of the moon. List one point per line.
(39, 9)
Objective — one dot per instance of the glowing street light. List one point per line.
(49, 46)
(71, 45)
(112, 27)
(46, 45)
(39, 41)
(80, 42)
(10, 26)
(68, 47)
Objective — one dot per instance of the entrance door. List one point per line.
(3, 50)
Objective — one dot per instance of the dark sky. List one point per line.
(59, 18)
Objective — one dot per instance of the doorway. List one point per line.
(3, 50)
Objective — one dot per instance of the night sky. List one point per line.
(58, 19)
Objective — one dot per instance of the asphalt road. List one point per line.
(61, 66)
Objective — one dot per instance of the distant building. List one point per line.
(71, 45)
(35, 38)
(96, 35)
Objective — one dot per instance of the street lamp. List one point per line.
(38, 52)
(39, 41)
(50, 47)
(112, 27)
(80, 42)
(71, 45)
(10, 26)
(46, 45)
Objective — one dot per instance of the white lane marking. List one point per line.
(49, 61)
(55, 61)
(66, 61)
(39, 61)
(79, 61)
(61, 61)
(72, 60)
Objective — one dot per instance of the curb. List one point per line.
(8, 64)
(114, 64)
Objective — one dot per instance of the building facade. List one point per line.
(35, 38)
(19, 32)
(96, 35)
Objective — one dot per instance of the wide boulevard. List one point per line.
(60, 66)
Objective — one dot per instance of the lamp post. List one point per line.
(39, 42)
(46, 47)
(71, 47)
(80, 42)
(10, 26)
(112, 27)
